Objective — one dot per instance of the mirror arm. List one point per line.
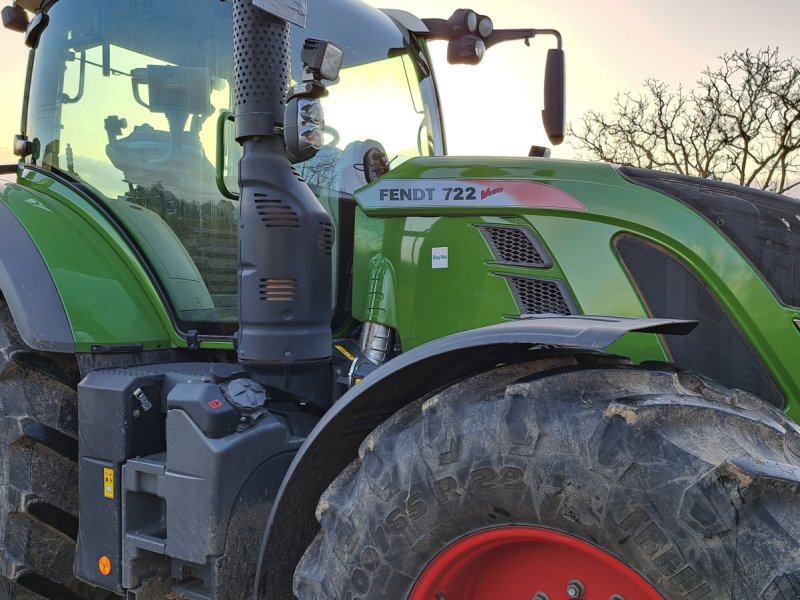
(506, 35)
(438, 29)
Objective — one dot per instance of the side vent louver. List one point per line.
(275, 212)
(515, 246)
(325, 240)
(541, 296)
(278, 290)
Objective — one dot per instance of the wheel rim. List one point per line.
(517, 563)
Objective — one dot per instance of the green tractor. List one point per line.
(261, 337)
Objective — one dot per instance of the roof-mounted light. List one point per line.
(472, 21)
(468, 34)
(467, 50)
(462, 22)
(485, 27)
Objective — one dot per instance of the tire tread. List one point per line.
(38, 472)
(642, 448)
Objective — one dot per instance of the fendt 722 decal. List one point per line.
(443, 193)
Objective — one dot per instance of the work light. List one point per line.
(467, 50)
(321, 59)
(485, 27)
(304, 119)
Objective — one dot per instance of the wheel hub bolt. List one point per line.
(575, 589)
(540, 596)
(617, 597)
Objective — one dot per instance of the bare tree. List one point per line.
(742, 123)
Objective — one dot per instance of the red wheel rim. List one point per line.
(516, 563)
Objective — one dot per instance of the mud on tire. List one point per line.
(38, 472)
(693, 486)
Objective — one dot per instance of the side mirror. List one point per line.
(554, 96)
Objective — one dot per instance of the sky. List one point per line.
(611, 48)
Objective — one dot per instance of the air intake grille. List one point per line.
(716, 348)
(540, 296)
(278, 290)
(275, 212)
(515, 246)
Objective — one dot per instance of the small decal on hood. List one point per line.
(439, 258)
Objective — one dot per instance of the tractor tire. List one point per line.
(38, 472)
(602, 482)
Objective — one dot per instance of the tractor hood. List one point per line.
(473, 185)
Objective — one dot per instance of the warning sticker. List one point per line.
(108, 483)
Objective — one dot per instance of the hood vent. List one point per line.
(541, 296)
(515, 246)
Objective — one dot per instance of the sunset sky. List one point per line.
(611, 47)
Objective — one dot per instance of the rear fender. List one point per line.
(421, 372)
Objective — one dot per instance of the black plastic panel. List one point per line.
(764, 226)
(716, 348)
(167, 467)
(28, 288)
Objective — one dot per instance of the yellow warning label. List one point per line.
(108, 483)
(346, 354)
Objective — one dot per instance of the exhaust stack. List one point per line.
(285, 235)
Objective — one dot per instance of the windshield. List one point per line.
(125, 97)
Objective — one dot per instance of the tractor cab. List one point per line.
(129, 100)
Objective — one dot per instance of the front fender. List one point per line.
(334, 442)
(29, 291)
(102, 288)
